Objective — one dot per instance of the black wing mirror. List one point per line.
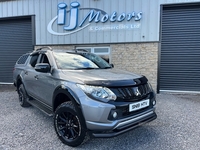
(43, 67)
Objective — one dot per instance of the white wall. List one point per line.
(46, 10)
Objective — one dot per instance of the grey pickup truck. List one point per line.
(86, 96)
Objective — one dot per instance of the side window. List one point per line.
(33, 60)
(22, 59)
(44, 59)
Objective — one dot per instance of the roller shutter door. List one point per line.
(15, 40)
(180, 48)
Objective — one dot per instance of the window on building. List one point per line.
(104, 52)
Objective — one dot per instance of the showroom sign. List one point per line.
(94, 15)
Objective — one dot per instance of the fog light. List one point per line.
(154, 103)
(115, 115)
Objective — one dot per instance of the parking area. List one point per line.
(176, 128)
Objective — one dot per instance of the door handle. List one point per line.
(26, 72)
(36, 77)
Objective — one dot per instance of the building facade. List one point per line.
(156, 38)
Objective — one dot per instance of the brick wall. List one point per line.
(140, 58)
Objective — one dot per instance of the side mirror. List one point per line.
(42, 67)
(111, 65)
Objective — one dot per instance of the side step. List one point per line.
(41, 107)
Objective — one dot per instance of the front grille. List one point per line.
(132, 93)
(123, 111)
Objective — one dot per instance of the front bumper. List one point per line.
(122, 129)
(123, 125)
(100, 124)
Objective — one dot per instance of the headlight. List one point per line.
(98, 92)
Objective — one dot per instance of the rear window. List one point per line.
(22, 59)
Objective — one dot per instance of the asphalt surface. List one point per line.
(176, 128)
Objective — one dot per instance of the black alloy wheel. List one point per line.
(68, 125)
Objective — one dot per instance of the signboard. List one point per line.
(95, 20)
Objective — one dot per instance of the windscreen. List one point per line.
(75, 61)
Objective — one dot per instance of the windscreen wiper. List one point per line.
(106, 67)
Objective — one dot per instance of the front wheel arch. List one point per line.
(61, 96)
(23, 97)
(18, 83)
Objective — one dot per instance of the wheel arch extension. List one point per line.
(63, 94)
(18, 81)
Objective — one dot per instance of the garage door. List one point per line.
(180, 48)
(15, 39)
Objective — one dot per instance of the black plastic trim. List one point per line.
(118, 83)
(68, 92)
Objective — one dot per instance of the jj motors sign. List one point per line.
(71, 22)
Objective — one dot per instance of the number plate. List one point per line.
(138, 105)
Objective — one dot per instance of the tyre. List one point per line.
(23, 97)
(68, 125)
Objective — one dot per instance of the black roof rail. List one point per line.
(45, 47)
